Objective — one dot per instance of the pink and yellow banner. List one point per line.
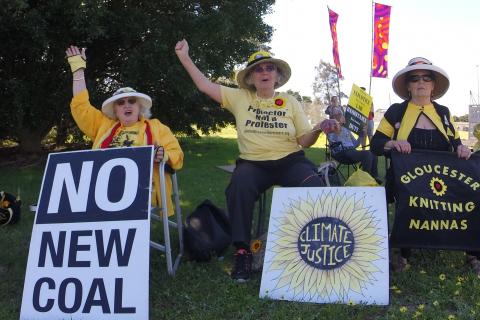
(333, 29)
(381, 24)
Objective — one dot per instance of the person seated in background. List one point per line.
(333, 106)
(272, 130)
(123, 121)
(343, 146)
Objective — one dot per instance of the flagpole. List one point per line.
(372, 49)
(338, 86)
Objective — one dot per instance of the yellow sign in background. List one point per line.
(360, 100)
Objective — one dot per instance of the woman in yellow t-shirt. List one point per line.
(272, 129)
(124, 121)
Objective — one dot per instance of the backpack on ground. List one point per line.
(9, 208)
(207, 232)
(328, 172)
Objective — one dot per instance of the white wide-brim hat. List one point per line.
(263, 57)
(399, 81)
(107, 105)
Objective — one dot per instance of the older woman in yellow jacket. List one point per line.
(124, 121)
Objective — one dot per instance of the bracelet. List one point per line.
(82, 78)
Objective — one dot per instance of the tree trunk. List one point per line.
(30, 140)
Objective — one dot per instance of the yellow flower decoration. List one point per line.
(438, 186)
(451, 317)
(256, 246)
(442, 277)
(279, 103)
(276, 103)
(403, 309)
(421, 306)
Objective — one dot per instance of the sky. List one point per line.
(445, 32)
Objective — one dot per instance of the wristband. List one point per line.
(77, 62)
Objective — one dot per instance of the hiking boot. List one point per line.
(474, 264)
(243, 266)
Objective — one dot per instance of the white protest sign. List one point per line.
(327, 245)
(89, 251)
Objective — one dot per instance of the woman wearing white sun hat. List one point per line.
(419, 123)
(272, 129)
(124, 121)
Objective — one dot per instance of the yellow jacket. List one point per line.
(98, 126)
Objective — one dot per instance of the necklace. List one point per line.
(273, 96)
(272, 102)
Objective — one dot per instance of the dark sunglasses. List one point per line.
(129, 100)
(268, 68)
(424, 77)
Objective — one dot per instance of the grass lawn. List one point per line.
(437, 286)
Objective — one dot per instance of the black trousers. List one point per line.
(252, 178)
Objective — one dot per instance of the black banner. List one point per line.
(354, 120)
(438, 201)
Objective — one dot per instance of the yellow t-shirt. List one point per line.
(127, 136)
(267, 129)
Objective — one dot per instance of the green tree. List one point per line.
(326, 83)
(463, 118)
(299, 97)
(130, 43)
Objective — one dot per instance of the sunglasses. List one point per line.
(121, 102)
(268, 68)
(424, 77)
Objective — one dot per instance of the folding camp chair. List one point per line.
(262, 203)
(172, 265)
(342, 164)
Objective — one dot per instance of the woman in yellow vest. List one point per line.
(124, 121)
(272, 129)
(419, 123)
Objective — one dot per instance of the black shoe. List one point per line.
(243, 266)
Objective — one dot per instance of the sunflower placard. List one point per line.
(327, 245)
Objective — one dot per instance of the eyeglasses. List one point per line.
(268, 68)
(121, 102)
(424, 77)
